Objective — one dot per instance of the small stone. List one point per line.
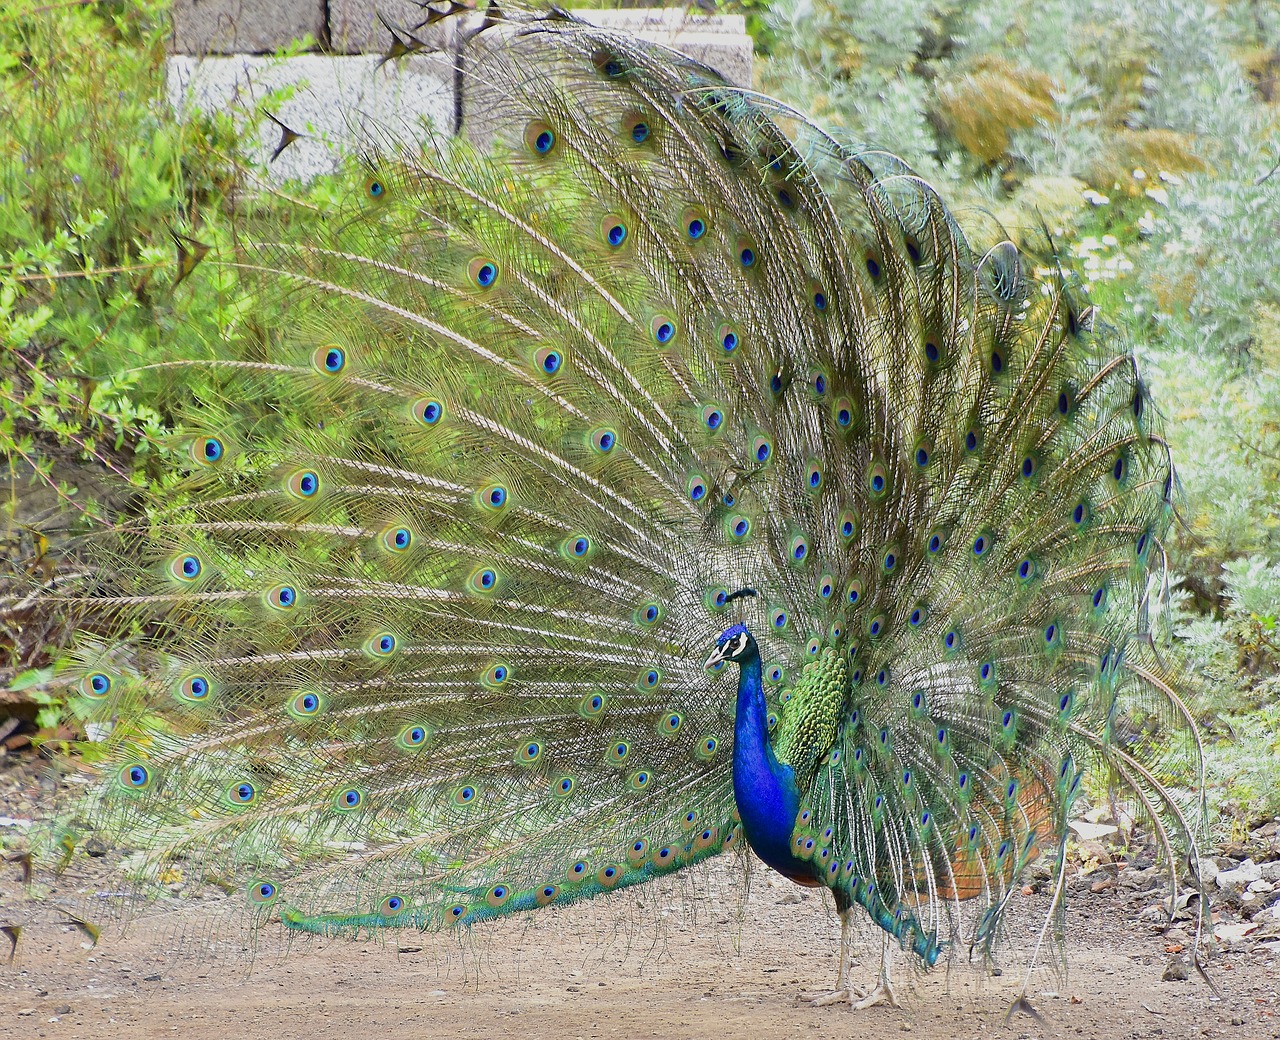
(62, 1009)
(1175, 970)
(1247, 872)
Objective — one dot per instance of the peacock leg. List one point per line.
(883, 993)
(844, 991)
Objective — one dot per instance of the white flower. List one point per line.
(1159, 194)
(1147, 223)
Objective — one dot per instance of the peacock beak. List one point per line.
(720, 653)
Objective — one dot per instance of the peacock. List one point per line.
(650, 476)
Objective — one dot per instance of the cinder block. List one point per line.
(355, 28)
(339, 103)
(497, 63)
(719, 41)
(244, 26)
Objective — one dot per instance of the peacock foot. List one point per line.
(825, 998)
(882, 994)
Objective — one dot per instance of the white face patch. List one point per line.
(739, 644)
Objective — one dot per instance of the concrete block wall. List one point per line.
(222, 56)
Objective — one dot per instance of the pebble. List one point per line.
(1245, 874)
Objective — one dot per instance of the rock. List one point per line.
(1243, 875)
(1208, 870)
(62, 1009)
(1261, 885)
(1271, 871)
(1175, 970)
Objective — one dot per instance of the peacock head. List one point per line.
(735, 644)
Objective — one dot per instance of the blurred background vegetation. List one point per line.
(1144, 135)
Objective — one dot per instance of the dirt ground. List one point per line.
(693, 959)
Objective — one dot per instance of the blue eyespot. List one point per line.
(820, 300)
(640, 132)
(696, 228)
(211, 449)
(190, 567)
(550, 360)
(664, 332)
(334, 360)
(135, 776)
(428, 412)
(616, 235)
(931, 352)
(873, 267)
(544, 142)
(747, 257)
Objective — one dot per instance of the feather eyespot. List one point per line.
(329, 360)
(391, 906)
(539, 138)
(348, 800)
(813, 476)
(427, 411)
(261, 892)
(614, 231)
(195, 688)
(728, 338)
(304, 484)
(663, 330)
(186, 568)
(207, 450)
(135, 776)
(243, 793)
(494, 497)
(496, 675)
(548, 361)
(282, 597)
(306, 704)
(482, 273)
(413, 737)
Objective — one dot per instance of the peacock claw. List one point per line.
(882, 994)
(825, 998)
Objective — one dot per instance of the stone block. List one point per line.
(244, 26)
(355, 28)
(339, 102)
(489, 74)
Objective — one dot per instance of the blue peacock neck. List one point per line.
(764, 788)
